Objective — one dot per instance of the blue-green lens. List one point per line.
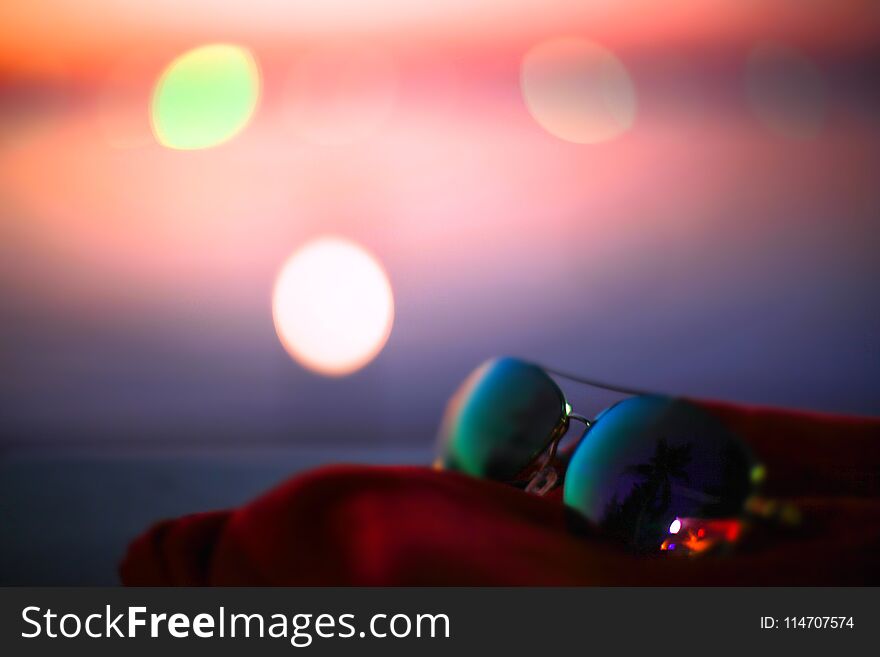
(649, 460)
(500, 419)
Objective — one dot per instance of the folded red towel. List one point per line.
(357, 525)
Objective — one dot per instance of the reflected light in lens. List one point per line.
(786, 91)
(205, 97)
(333, 306)
(577, 90)
(339, 95)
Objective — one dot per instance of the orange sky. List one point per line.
(47, 37)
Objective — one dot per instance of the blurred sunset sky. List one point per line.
(677, 196)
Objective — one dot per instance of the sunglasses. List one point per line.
(653, 472)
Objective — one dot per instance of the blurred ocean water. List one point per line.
(67, 519)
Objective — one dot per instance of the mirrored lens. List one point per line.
(501, 419)
(648, 461)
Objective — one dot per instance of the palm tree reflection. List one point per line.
(642, 517)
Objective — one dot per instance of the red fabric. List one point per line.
(357, 525)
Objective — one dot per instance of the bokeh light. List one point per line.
(341, 94)
(205, 97)
(578, 90)
(333, 306)
(785, 90)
